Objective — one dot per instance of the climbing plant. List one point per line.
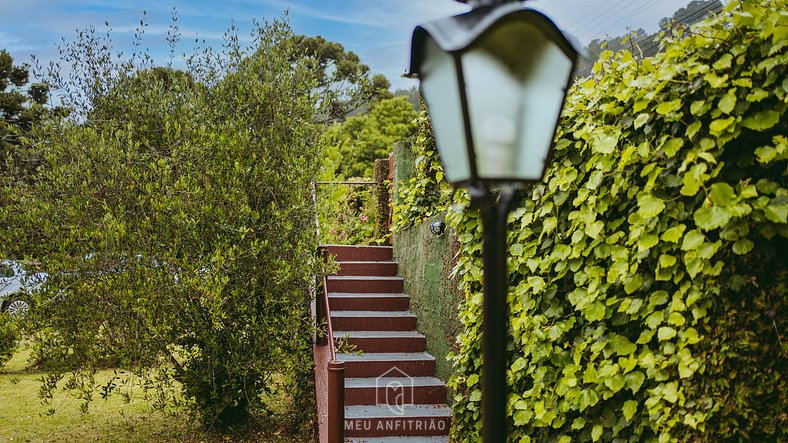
(426, 193)
(647, 273)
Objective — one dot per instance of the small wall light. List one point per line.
(438, 227)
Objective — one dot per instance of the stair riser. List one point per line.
(417, 368)
(401, 426)
(388, 269)
(360, 286)
(420, 395)
(373, 323)
(352, 253)
(415, 344)
(369, 303)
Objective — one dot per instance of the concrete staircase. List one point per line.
(391, 393)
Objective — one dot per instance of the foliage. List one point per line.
(172, 214)
(19, 108)
(646, 283)
(362, 139)
(343, 82)
(424, 195)
(346, 213)
(9, 337)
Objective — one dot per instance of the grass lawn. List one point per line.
(24, 418)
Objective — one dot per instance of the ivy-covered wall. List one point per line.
(648, 271)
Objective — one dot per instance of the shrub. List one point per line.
(173, 216)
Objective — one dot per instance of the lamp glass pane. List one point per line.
(516, 79)
(441, 93)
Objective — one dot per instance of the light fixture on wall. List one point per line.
(438, 227)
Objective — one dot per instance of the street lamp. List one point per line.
(494, 80)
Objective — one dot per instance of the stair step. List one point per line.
(363, 283)
(394, 390)
(373, 320)
(380, 268)
(410, 420)
(420, 439)
(354, 301)
(433, 439)
(361, 253)
(384, 341)
(388, 364)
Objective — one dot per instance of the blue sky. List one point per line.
(378, 30)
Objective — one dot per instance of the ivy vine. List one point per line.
(648, 271)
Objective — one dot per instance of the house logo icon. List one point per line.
(394, 388)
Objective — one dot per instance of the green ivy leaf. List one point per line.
(692, 240)
(673, 235)
(668, 107)
(728, 102)
(649, 205)
(716, 81)
(722, 194)
(762, 120)
(606, 143)
(712, 218)
(776, 212)
(635, 380)
(641, 120)
(672, 146)
(666, 333)
(596, 432)
(719, 126)
(630, 408)
(743, 246)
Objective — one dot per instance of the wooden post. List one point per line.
(381, 198)
(336, 401)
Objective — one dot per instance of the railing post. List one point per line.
(321, 317)
(336, 401)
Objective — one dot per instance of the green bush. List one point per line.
(646, 283)
(173, 216)
(9, 337)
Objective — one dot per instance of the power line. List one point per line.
(688, 18)
(583, 23)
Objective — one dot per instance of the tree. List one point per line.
(174, 220)
(19, 108)
(695, 10)
(344, 83)
(361, 139)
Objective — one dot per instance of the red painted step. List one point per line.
(382, 421)
(373, 320)
(360, 253)
(394, 390)
(363, 283)
(350, 301)
(379, 268)
(384, 341)
(391, 393)
(400, 364)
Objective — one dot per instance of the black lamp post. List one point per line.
(494, 80)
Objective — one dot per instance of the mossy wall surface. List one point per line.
(425, 262)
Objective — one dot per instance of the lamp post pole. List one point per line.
(495, 308)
